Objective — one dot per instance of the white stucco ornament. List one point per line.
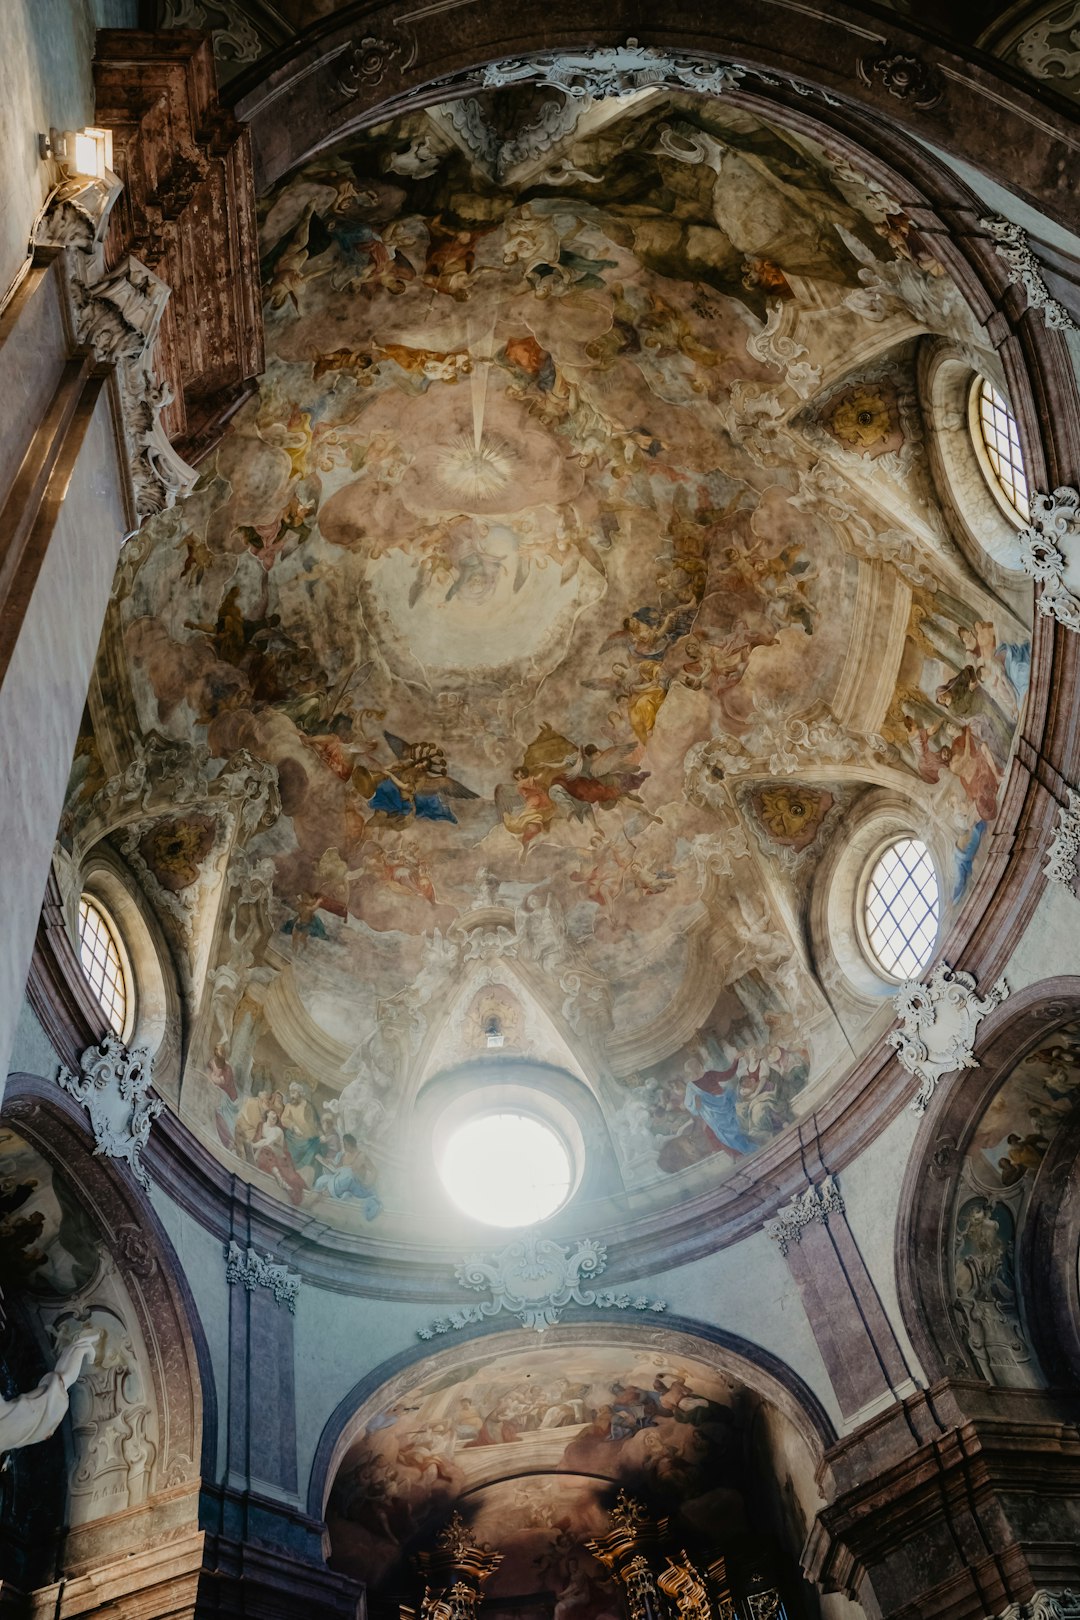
(1043, 1605)
(817, 1203)
(1050, 553)
(1061, 858)
(938, 1021)
(534, 1279)
(254, 1270)
(113, 1086)
(1024, 270)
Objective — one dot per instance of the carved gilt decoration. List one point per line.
(113, 1086)
(938, 1021)
(256, 1270)
(817, 1203)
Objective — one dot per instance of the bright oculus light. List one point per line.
(506, 1169)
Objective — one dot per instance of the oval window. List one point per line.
(901, 909)
(102, 963)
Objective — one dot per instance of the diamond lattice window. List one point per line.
(902, 908)
(100, 958)
(1001, 441)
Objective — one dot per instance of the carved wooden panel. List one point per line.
(188, 212)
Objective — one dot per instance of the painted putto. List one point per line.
(532, 635)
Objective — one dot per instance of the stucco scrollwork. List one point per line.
(1024, 270)
(1061, 858)
(234, 36)
(1043, 1605)
(533, 1279)
(117, 314)
(113, 1086)
(365, 64)
(618, 70)
(938, 1022)
(1044, 59)
(1054, 524)
(907, 78)
(817, 1203)
(254, 1270)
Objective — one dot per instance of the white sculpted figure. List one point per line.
(28, 1418)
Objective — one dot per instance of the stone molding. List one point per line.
(820, 1200)
(534, 1279)
(1024, 270)
(1061, 858)
(938, 1021)
(113, 1086)
(256, 1270)
(1054, 522)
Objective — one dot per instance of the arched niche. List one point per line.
(524, 1434)
(987, 1240)
(83, 1248)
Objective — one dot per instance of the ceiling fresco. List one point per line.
(998, 1171)
(530, 637)
(532, 1448)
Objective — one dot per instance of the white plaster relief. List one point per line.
(820, 1200)
(116, 314)
(113, 1423)
(534, 1279)
(619, 70)
(1043, 58)
(113, 1085)
(234, 37)
(624, 70)
(1024, 270)
(938, 1023)
(1061, 858)
(256, 1270)
(1044, 1605)
(1045, 547)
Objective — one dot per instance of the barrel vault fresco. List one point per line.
(575, 572)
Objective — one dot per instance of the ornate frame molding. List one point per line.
(113, 1085)
(938, 1021)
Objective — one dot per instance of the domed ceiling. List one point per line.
(534, 634)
